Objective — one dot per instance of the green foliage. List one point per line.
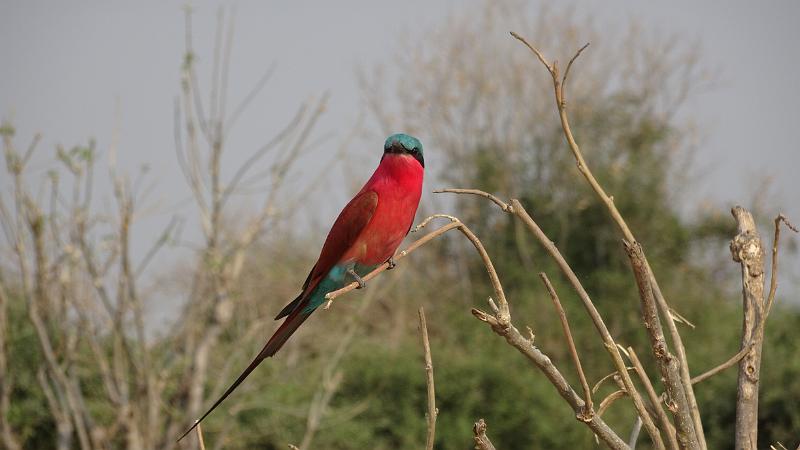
(28, 414)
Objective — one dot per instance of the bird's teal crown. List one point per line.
(408, 142)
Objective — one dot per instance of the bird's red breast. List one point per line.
(398, 183)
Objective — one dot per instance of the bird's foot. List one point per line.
(361, 283)
(392, 263)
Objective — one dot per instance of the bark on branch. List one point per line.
(668, 365)
(747, 249)
(433, 412)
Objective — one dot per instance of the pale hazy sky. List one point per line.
(71, 70)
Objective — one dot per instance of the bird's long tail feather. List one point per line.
(287, 328)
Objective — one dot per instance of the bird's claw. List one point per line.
(392, 263)
(361, 283)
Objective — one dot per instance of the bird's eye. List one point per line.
(415, 150)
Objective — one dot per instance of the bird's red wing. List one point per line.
(345, 230)
(343, 234)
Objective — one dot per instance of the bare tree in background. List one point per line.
(82, 287)
(200, 147)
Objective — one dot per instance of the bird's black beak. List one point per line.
(396, 147)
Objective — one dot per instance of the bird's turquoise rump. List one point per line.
(336, 279)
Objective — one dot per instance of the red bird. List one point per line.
(365, 235)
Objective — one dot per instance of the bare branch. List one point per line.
(263, 150)
(667, 364)
(250, 97)
(612, 375)
(200, 439)
(747, 249)
(433, 412)
(773, 284)
(655, 400)
(550, 68)
(503, 205)
(608, 201)
(569, 65)
(562, 315)
(609, 400)
(729, 363)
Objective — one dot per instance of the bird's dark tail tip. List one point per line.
(194, 425)
(287, 328)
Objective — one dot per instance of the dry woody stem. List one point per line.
(588, 410)
(561, 104)
(432, 411)
(748, 250)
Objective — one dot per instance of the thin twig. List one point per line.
(503, 205)
(655, 400)
(729, 363)
(200, 437)
(432, 411)
(569, 65)
(637, 428)
(534, 50)
(562, 315)
(773, 284)
(609, 400)
(605, 378)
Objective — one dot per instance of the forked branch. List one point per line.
(608, 201)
